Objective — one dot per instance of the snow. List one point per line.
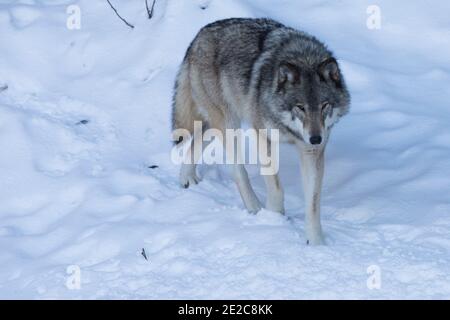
(87, 112)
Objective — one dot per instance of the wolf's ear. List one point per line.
(329, 70)
(287, 73)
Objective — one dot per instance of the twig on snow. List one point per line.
(125, 21)
(144, 254)
(150, 10)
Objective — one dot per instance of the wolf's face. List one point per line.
(311, 100)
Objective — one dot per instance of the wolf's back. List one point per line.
(223, 48)
(230, 47)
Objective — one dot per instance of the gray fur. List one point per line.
(271, 76)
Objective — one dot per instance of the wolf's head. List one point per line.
(311, 97)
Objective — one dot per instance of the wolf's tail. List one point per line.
(184, 111)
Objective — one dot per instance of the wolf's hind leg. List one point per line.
(188, 174)
(184, 114)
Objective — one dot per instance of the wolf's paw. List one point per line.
(254, 209)
(275, 207)
(188, 178)
(190, 181)
(254, 206)
(315, 241)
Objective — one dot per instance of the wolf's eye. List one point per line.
(301, 107)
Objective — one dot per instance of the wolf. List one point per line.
(270, 76)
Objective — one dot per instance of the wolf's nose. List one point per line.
(315, 140)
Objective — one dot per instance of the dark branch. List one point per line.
(144, 254)
(150, 10)
(126, 22)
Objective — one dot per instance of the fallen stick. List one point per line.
(150, 10)
(126, 22)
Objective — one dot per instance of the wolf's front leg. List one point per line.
(269, 161)
(275, 196)
(312, 167)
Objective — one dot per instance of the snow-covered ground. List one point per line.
(87, 112)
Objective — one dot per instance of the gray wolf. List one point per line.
(260, 72)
